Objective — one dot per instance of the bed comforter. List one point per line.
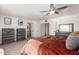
(47, 45)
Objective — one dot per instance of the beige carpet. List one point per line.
(13, 48)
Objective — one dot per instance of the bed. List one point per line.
(47, 45)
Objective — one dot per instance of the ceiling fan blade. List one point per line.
(56, 12)
(44, 11)
(62, 8)
(47, 14)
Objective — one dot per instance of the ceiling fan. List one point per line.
(53, 9)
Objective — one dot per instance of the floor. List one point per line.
(13, 48)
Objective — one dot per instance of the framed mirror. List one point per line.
(20, 22)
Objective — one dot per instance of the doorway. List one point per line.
(28, 30)
(44, 29)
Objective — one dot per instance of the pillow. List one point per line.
(72, 41)
(75, 33)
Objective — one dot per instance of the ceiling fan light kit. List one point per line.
(51, 12)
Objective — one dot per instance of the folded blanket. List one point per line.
(31, 48)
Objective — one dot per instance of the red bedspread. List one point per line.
(47, 45)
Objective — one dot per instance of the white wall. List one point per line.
(36, 31)
(63, 20)
(36, 25)
(15, 25)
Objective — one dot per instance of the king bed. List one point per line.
(65, 42)
(48, 45)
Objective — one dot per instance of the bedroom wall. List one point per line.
(54, 22)
(37, 28)
(15, 25)
(36, 25)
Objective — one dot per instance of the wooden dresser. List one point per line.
(20, 32)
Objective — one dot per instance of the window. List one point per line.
(66, 27)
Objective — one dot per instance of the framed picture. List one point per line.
(20, 22)
(7, 21)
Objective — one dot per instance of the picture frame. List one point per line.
(20, 22)
(7, 21)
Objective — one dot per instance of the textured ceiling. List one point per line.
(32, 11)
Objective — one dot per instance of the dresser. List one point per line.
(8, 35)
(20, 32)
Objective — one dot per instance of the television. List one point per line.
(66, 27)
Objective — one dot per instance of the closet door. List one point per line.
(47, 28)
(44, 29)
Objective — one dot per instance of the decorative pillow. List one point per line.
(72, 41)
(75, 33)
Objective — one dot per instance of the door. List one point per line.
(44, 29)
(28, 30)
(47, 28)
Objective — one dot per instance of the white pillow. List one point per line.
(72, 42)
